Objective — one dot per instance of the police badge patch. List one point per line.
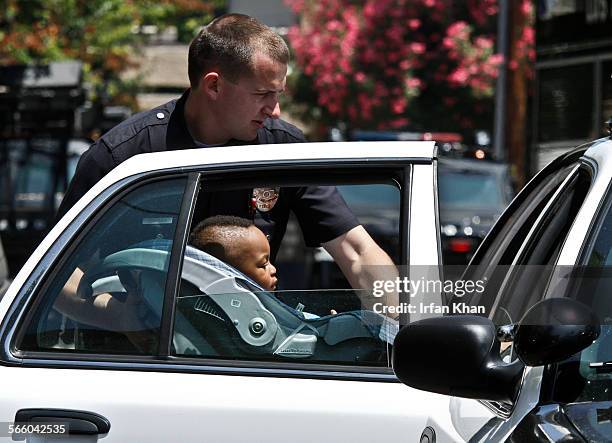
(265, 198)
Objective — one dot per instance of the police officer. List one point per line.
(237, 68)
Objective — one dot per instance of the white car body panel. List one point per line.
(162, 407)
(423, 234)
(470, 417)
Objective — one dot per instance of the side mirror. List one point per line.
(553, 330)
(460, 355)
(455, 355)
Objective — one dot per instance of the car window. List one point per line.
(106, 294)
(499, 251)
(528, 276)
(475, 189)
(306, 314)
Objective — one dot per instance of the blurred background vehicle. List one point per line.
(46, 124)
(472, 195)
(473, 192)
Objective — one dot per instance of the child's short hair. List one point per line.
(218, 235)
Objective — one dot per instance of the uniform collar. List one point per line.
(178, 136)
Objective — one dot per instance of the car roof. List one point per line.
(276, 153)
(601, 151)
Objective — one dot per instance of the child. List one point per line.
(239, 243)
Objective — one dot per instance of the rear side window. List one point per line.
(252, 307)
(83, 307)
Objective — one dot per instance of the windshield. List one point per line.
(460, 189)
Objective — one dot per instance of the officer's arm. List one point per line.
(362, 262)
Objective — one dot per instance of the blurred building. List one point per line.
(573, 75)
(162, 66)
(274, 13)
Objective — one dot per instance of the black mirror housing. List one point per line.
(553, 330)
(455, 355)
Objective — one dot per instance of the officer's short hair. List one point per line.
(221, 236)
(228, 44)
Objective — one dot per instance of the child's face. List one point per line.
(255, 259)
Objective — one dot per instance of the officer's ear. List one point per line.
(210, 84)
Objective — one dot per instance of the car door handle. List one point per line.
(77, 422)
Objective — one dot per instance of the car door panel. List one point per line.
(162, 406)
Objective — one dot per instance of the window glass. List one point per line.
(492, 261)
(588, 376)
(529, 277)
(377, 207)
(470, 188)
(237, 302)
(107, 295)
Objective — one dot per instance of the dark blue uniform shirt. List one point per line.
(320, 210)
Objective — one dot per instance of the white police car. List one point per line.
(213, 359)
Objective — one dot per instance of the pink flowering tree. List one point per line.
(398, 64)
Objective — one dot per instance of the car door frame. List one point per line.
(53, 257)
(528, 397)
(61, 241)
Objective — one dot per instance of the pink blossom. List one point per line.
(459, 76)
(496, 59)
(405, 65)
(360, 77)
(334, 25)
(398, 106)
(483, 42)
(448, 42)
(458, 29)
(526, 7)
(414, 24)
(417, 47)
(413, 83)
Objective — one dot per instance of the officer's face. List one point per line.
(246, 104)
(254, 259)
